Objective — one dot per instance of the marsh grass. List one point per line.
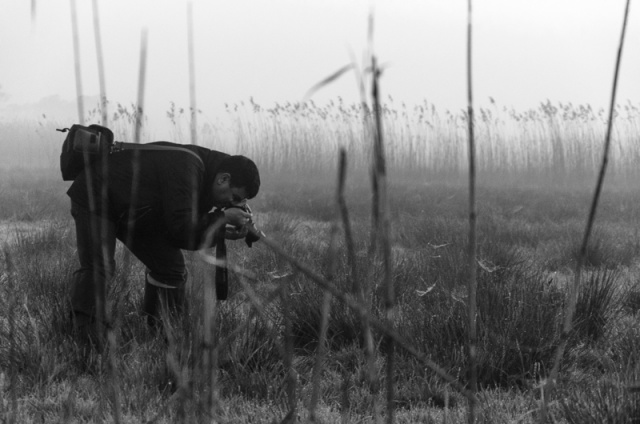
(605, 401)
(597, 305)
(519, 306)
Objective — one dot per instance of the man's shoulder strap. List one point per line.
(119, 146)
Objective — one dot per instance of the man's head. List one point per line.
(236, 181)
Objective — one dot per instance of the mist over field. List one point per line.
(559, 142)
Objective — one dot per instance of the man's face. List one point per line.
(224, 195)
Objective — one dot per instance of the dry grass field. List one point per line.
(536, 175)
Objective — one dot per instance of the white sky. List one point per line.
(525, 51)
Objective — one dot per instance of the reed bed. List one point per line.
(561, 140)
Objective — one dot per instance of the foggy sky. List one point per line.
(525, 51)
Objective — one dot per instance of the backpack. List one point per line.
(82, 146)
(85, 144)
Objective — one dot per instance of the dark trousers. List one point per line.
(96, 239)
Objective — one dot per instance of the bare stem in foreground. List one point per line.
(192, 75)
(210, 351)
(101, 76)
(141, 85)
(383, 229)
(76, 61)
(471, 258)
(13, 372)
(575, 287)
(326, 298)
(135, 177)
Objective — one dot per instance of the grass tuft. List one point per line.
(598, 304)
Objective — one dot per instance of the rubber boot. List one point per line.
(160, 300)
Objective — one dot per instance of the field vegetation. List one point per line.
(278, 354)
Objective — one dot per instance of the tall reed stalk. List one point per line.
(326, 298)
(76, 61)
(321, 354)
(383, 230)
(101, 77)
(192, 100)
(110, 331)
(13, 372)
(135, 177)
(361, 289)
(210, 351)
(575, 287)
(98, 229)
(142, 75)
(192, 74)
(287, 359)
(471, 258)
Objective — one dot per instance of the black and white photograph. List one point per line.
(320, 211)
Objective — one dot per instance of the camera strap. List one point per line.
(222, 277)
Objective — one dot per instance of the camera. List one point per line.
(254, 234)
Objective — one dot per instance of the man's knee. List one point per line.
(170, 278)
(163, 296)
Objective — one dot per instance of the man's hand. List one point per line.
(237, 217)
(237, 220)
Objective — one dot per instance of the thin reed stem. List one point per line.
(362, 291)
(326, 299)
(141, 85)
(97, 228)
(113, 373)
(13, 372)
(290, 379)
(135, 177)
(210, 351)
(356, 288)
(193, 116)
(100, 57)
(76, 61)
(110, 331)
(370, 128)
(382, 207)
(346, 223)
(575, 287)
(471, 259)
(192, 74)
(320, 356)
(102, 303)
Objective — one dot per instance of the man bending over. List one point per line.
(183, 199)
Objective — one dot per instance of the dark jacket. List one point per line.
(173, 195)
